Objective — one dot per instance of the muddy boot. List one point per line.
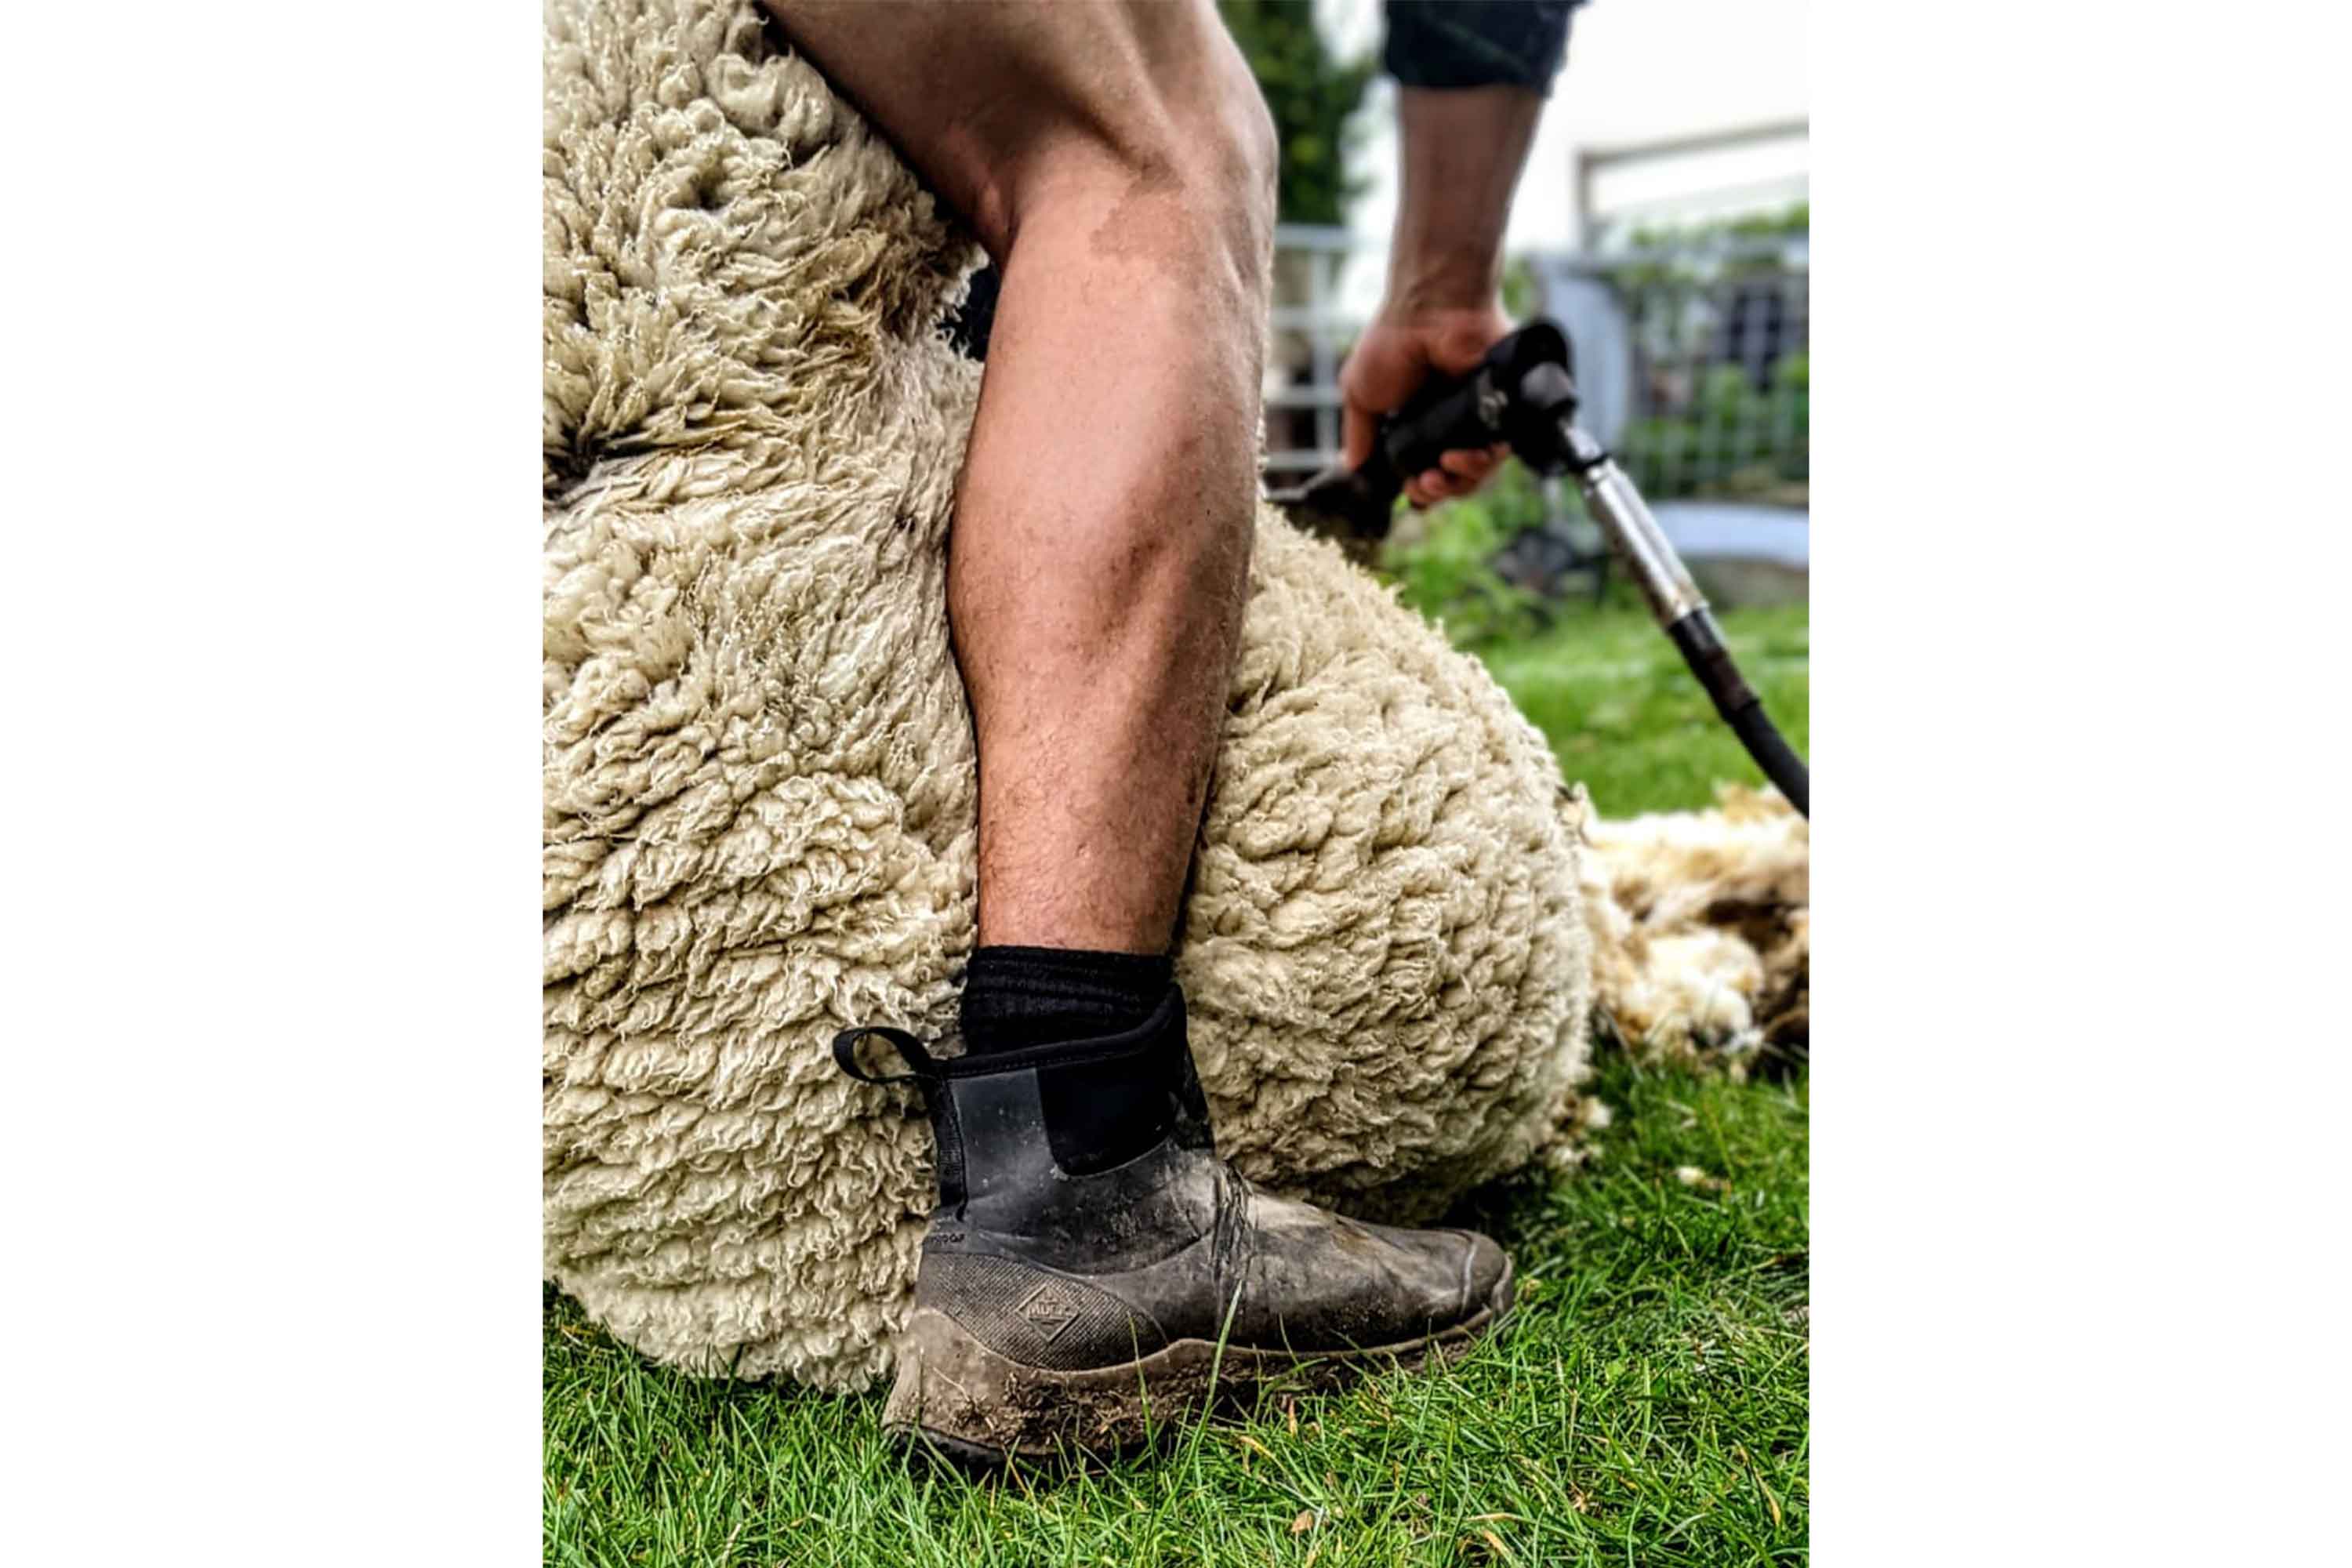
(1065, 1304)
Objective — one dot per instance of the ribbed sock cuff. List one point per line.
(1096, 1115)
(1015, 997)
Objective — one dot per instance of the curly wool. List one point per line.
(1701, 927)
(759, 779)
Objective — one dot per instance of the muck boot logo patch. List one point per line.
(1049, 1307)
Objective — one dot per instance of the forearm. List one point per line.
(1462, 151)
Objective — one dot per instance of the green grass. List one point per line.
(1624, 715)
(1647, 1406)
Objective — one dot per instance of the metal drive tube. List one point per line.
(1657, 570)
(1681, 610)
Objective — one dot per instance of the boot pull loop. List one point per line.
(910, 1050)
(1144, 1039)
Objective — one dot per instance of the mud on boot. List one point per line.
(1078, 1292)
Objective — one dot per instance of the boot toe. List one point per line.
(1486, 1275)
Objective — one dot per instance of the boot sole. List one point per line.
(958, 1403)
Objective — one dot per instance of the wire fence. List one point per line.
(1692, 358)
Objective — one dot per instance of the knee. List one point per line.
(1238, 132)
(1228, 161)
(1184, 160)
(1253, 153)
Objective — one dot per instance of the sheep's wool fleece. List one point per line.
(1701, 928)
(758, 764)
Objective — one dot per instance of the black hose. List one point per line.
(1779, 762)
(1701, 641)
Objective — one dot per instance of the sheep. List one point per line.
(758, 772)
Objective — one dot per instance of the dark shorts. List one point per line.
(1476, 43)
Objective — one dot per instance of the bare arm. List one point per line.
(1461, 152)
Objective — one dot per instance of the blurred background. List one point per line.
(1663, 222)
(1662, 219)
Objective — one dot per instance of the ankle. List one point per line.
(1016, 996)
(1096, 1115)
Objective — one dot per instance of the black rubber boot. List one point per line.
(1078, 1313)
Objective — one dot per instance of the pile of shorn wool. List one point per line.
(759, 767)
(1701, 941)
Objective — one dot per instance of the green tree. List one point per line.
(1311, 94)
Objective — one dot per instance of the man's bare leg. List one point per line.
(1090, 1262)
(1118, 165)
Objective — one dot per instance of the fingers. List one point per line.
(1357, 425)
(1380, 372)
(1434, 485)
(1456, 475)
(1473, 465)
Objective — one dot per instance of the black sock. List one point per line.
(1096, 1116)
(1015, 997)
